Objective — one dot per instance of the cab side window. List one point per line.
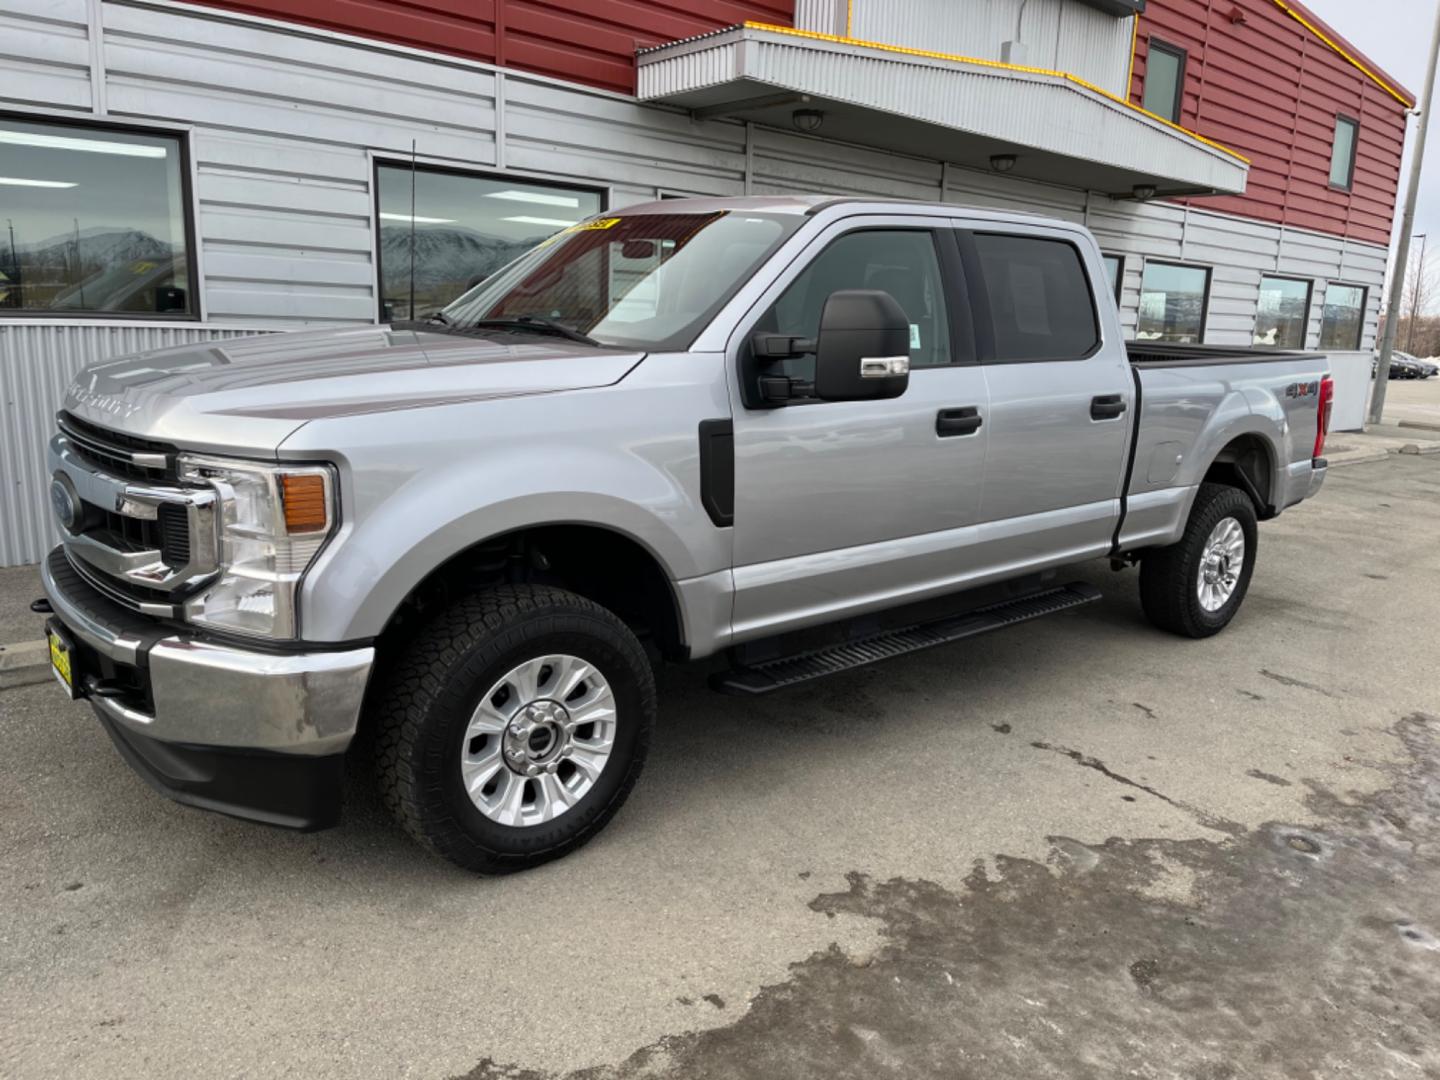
(902, 262)
(1039, 298)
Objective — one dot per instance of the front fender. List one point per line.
(419, 487)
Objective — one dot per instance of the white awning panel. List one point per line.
(955, 109)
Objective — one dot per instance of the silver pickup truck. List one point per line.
(794, 435)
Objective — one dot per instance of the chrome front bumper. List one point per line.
(208, 694)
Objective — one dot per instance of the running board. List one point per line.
(785, 671)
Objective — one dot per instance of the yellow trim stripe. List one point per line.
(1134, 43)
(926, 53)
(849, 16)
(1288, 10)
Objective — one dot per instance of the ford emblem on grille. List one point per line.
(64, 501)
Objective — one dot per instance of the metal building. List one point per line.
(172, 172)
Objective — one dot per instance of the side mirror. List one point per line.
(863, 348)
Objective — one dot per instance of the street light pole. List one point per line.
(1407, 222)
(1415, 303)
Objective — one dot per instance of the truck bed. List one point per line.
(1150, 354)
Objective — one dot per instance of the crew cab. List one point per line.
(791, 435)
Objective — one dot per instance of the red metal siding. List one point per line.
(587, 41)
(1270, 88)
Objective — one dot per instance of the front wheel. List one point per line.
(1195, 586)
(513, 727)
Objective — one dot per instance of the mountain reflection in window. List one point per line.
(93, 221)
(465, 228)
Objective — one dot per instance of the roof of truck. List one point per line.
(813, 204)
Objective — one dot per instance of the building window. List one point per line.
(1115, 273)
(94, 221)
(1164, 80)
(1172, 303)
(465, 228)
(1040, 302)
(1342, 152)
(1283, 313)
(1343, 318)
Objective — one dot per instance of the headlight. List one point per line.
(273, 521)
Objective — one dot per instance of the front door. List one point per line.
(842, 507)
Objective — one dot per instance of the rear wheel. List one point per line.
(1195, 586)
(513, 727)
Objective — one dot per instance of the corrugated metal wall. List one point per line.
(37, 362)
(285, 126)
(1260, 82)
(1062, 35)
(822, 16)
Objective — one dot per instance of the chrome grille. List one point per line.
(133, 597)
(143, 541)
(117, 453)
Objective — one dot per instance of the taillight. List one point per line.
(1322, 414)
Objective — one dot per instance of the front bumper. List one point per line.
(257, 734)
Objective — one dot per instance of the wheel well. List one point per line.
(1246, 463)
(594, 562)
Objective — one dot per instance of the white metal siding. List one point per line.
(37, 362)
(1061, 35)
(822, 16)
(45, 53)
(285, 123)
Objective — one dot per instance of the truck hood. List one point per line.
(249, 394)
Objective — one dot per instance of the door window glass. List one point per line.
(1172, 303)
(900, 262)
(1040, 302)
(1283, 312)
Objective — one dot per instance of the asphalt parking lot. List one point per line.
(1077, 848)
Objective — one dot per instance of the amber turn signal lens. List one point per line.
(303, 495)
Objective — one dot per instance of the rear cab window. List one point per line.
(1036, 296)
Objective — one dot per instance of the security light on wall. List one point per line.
(1002, 162)
(807, 119)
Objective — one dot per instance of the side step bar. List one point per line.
(785, 671)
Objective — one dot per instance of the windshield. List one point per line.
(648, 281)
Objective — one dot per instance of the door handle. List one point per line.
(1106, 406)
(952, 422)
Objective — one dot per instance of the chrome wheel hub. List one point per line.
(538, 740)
(1220, 564)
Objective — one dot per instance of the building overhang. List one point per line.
(1058, 127)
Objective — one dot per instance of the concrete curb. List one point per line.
(1359, 459)
(24, 664)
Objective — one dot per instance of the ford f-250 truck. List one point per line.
(804, 434)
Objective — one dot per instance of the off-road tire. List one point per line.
(426, 696)
(1168, 575)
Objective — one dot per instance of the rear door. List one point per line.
(1061, 395)
(844, 506)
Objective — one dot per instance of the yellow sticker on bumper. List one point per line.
(60, 660)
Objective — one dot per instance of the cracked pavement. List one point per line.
(1073, 848)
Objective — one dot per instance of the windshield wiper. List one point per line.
(538, 324)
(440, 317)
